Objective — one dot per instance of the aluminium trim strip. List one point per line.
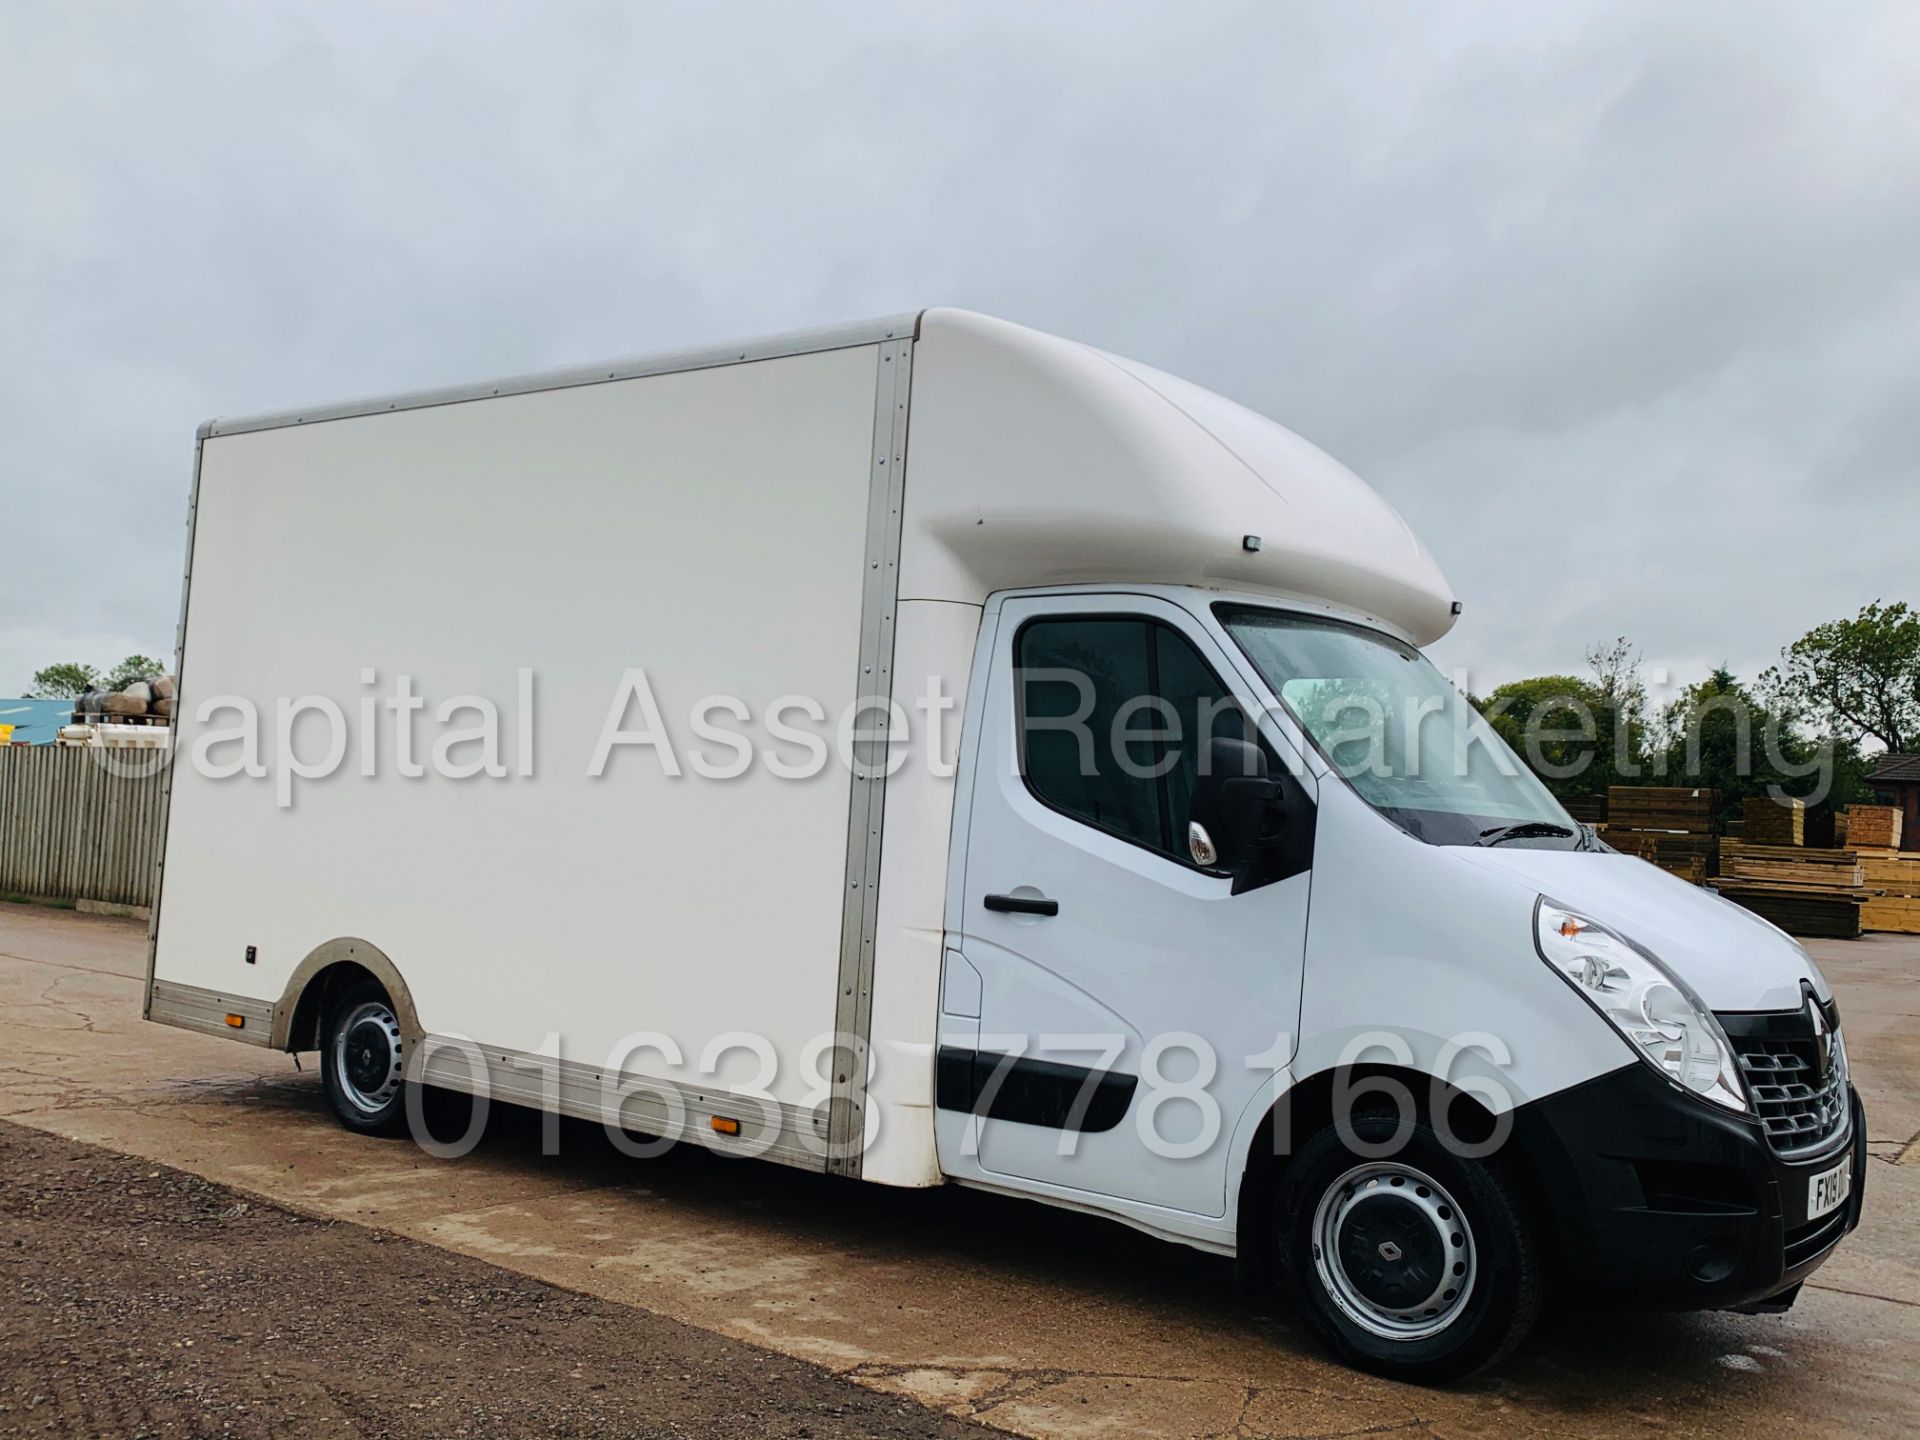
(189, 1007)
(791, 1134)
(664, 1109)
(853, 1001)
(773, 347)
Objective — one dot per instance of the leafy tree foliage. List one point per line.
(1580, 735)
(1859, 677)
(67, 680)
(1584, 734)
(63, 681)
(1720, 734)
(1551, 721)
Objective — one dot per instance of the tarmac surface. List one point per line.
(1022, 1318)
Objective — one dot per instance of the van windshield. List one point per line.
(1396, 731)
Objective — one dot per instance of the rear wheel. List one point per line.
(363, 1061)
(1417, 1264)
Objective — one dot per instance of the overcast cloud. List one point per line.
(1620, 304)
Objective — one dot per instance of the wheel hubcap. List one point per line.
(367, 1056)
(1393, 1251)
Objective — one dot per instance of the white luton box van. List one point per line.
(933, 751)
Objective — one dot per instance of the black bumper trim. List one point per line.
(1661, 1199)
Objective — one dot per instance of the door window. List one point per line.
(1114, 715)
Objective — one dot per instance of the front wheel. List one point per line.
(1415, 1263)
(363, 1061)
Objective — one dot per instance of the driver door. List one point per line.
(1126, 1007)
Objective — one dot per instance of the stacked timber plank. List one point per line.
(1671, 825)
(1765, 821)
(1790, 865)
(1682, 808)
(1873, 827)
(1632, 842)
(1893, 877)
(1893, 885)
(1803, 891)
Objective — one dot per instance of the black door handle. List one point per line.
(1023, 905)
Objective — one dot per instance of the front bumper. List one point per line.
(1664, 1200)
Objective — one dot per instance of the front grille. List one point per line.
(1801, 1108)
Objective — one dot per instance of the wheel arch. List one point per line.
(1308, 1106)
(327, 967)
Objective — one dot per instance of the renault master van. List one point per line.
(934, 752)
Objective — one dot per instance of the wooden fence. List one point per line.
(79, 823)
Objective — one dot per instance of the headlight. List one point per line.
(1657, 1011)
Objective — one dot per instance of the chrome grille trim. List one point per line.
(1802, 1116)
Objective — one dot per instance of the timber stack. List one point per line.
(1774, 822)
(1873, 827)
(1670, 825)
(1893, 877)
(1805, 892)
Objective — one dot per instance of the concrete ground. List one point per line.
(1030, 1320)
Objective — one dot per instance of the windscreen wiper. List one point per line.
(1497, 833)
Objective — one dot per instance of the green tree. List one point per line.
(1858, 677)
(1552, 722)
(1579, 735)
(1720, 734)
(134, 667)
(1622, 721)
(63, 681)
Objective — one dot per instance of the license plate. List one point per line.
(1829, 1189)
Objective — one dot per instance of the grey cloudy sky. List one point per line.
(1619, 303)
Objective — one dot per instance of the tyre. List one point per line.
(1420, 1265)
(362, 1061)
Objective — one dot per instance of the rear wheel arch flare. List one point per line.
(326, 968)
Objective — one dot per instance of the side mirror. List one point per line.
(1237, 810)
